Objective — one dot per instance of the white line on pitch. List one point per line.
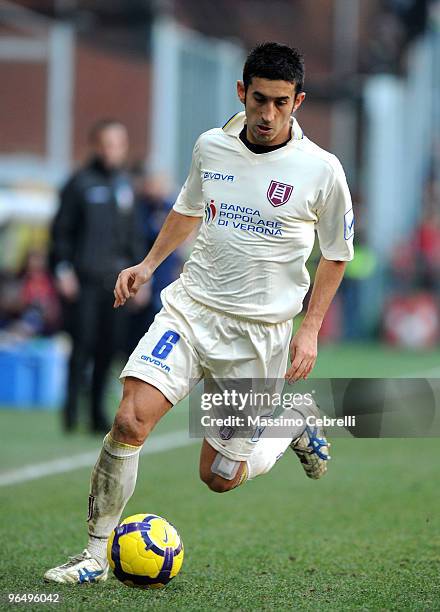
(157, 444)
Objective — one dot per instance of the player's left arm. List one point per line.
(304, 344)
(335, 228)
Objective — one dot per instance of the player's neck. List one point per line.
(259, 148)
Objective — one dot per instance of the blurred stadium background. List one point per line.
(167, 69)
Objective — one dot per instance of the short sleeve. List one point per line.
(335, 225)
(190, 199)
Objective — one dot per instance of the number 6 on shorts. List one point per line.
(165, 344)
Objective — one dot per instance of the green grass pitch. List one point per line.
(366, 537)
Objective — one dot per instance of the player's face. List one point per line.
(111, 146)
(269, 105)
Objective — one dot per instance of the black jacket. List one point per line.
(96, 228)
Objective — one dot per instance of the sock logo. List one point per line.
(91, 505)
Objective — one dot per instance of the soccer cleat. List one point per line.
(311, 448)
(81, 569)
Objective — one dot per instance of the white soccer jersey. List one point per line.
(260, 214)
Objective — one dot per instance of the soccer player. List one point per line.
(258, 189)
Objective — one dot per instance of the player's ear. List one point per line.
(241, 92)
(299, 99)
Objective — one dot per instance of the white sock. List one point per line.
(112, 484)
(268, 450)
(266, 454)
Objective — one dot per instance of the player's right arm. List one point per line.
(175, 230)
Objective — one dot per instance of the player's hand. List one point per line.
(128, 283)
(303, 354)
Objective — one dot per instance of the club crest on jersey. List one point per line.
(210, 212)
(279, 193)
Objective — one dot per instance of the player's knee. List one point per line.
(131, 424)
(127, 428)
(226, 480)
(216, 483)
(141, 408)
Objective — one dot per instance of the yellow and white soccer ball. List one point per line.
(145, 551)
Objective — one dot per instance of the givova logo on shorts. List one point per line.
(162, 349)
(156, 362)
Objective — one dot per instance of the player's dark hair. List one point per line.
(101, 125)
(273, 61)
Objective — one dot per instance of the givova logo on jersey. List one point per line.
(217, 176)
(210, 212)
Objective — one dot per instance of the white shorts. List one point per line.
(188, 341)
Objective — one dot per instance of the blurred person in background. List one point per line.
(38, 297)
(9, 301)
(416, 259)
(94, 233)
(428, 241)
(29, 305)
(412, 313)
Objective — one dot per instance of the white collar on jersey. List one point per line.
(236, 123)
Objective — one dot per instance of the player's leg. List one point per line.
(266, 453)
(309, 443)
(157, 375)
(114, 478)
(221, 473)
(114, 475)
(259, 353)
(218, 472)
(255, 354)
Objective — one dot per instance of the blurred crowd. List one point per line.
(29, 303)
(412, 312)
